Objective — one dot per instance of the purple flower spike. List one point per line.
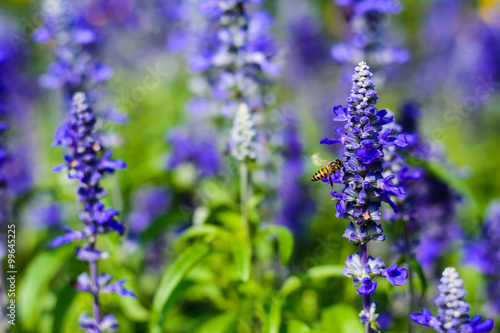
(363, 153)
(366, 185)
(88, 161)
(396, 275)
(452, 309)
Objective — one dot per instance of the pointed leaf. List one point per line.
(219, 324)
(325, 271)
(39, 273)
(242, 251)
(285, 241)
(170, 280)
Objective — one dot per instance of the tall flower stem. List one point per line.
(88, 161)
(244, 193)
(364, 139)
(94, 277)
(366, 298)
(411, 287)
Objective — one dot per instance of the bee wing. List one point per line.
(318, 160)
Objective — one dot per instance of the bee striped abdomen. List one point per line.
(320, 174)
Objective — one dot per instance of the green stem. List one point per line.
(244, 190)
(411, 287)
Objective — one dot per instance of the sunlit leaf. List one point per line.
(170, 280)
(242, 251)
(274, 320)
(341, 318)
(325, 271)
(219, 324)
(39, 273)
(285, 241)
(296, 326)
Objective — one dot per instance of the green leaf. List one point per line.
(65, 298)
(170, 280)
(242, 251)
(341, 318)
(415, 266)
(205, 230)
(290, 285)
(133, 309)
(219, 324)
(296, 326)
(230, 219)
(285, 241)
(274, 321)
(325, 271)
(39, 273)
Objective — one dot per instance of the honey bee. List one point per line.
(328, 170)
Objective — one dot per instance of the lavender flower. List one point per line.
(88, 162)
(428, 209)
(307, 46)
(367, 39)
(459, 47)
(16, 119)
(190, 146)
(453, 310)
(236, 54)
(74, 68)
(483, 254)
(364, 138)
(149, 202)
(296, 203)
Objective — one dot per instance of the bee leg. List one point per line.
(330, 180)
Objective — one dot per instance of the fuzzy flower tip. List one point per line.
(243, 135)
(364, 137)
(452, 309)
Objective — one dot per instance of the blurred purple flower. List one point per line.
(483, 254)
(296, 204)
(148, 203)
(428, 208)
(235, 52)
(368, 38)
(459, 48)
(452, 309)
(73, 38)
(191, 146)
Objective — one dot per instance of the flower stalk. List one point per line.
(364, 138)
(88, 161)
(366, 298)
